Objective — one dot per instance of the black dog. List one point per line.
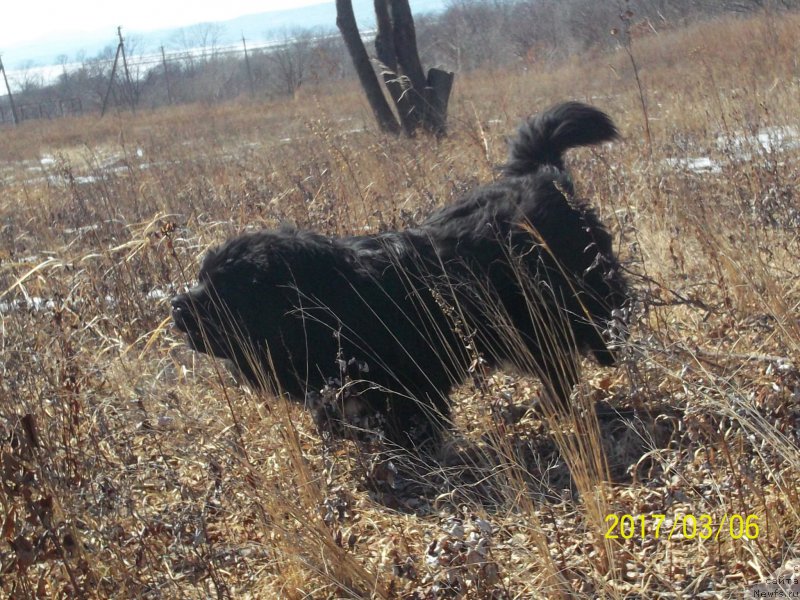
(518, 272)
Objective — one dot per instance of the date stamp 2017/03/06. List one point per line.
(681, 526)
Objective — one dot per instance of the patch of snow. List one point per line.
(700, 164)
(33, 303)
(741, 147)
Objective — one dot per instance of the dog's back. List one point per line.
(534, 175)
(539, 258)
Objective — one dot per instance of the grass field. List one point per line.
(133, 468)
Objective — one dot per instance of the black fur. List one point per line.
(518, 272)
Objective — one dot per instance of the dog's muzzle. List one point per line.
(186, 321)
(182, 315)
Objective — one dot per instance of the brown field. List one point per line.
(133, 468)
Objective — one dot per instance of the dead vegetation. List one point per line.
(132, 467)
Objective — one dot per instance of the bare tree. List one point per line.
(346, 22)
(94, 72)
(293, 58)
(330, 61)
(420, 100)
(28, 78)
(200, 42)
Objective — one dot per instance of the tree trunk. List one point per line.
(440, 84)
(387, 55)
(429, 96)
(405, 43)
(346, 22)
(420, 101)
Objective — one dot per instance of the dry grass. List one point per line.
(133, 468)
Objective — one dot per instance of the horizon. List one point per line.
(29, 24)
(32, 36)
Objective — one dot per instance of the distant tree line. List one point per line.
(473, 34)
(469, 34)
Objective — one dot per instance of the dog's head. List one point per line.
(253, 298)
(241, 297)
(602, 291)
(585, 275)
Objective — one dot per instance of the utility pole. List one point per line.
(249, 71)
(120, 50)
(10, 96)
(131, 91)
(110, 84)
(166, 75)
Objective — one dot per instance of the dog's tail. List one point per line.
(544, 138)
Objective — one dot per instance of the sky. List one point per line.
(31, 21)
